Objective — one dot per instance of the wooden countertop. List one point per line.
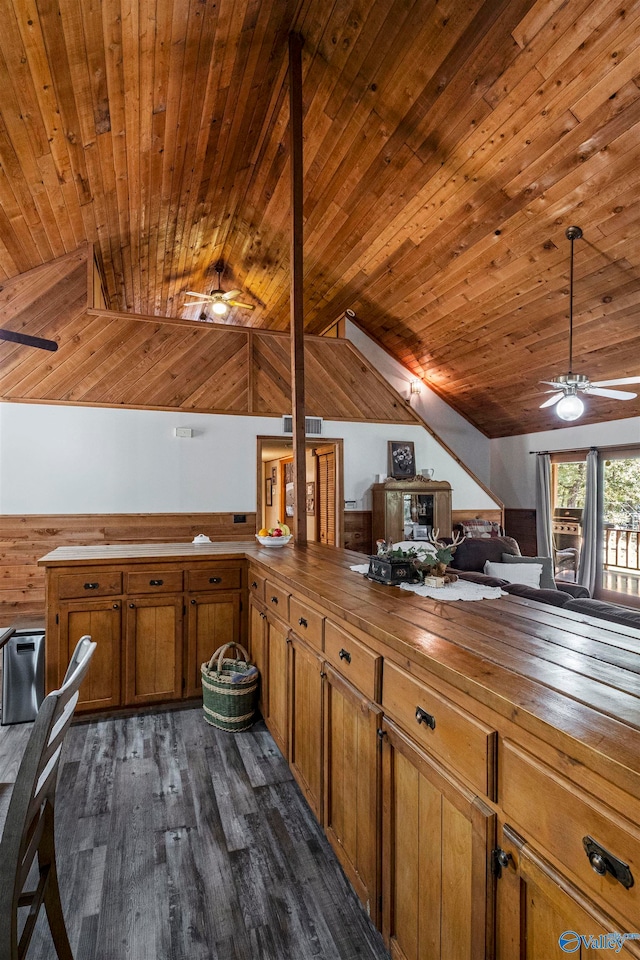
(555, 673)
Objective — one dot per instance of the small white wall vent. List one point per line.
(312, 425)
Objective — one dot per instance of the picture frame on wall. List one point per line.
(274, 475)
(269, 492)
(311, 499)
(402, 459)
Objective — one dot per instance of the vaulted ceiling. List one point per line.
(448, 145)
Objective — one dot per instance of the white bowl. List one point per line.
(273, 541)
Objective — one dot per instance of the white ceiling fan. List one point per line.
(569, 385)
(219, 300)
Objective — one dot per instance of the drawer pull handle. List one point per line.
(603, 862)
(303, 622)
(193, 602)
(116, 606)
(263, 615)
(423, 717)
(274, 600)
(91, 586)
(215, 579)
(156, 583)
(254, 584)
(345, 655)
(132, 606)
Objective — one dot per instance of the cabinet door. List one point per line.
(257, 642)
(305, 730)
(276, 713)
(437, 841)
(351, 785)
(213, 619)
(101, 620)
(538, 909)
(153, 649)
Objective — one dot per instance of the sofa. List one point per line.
(472, 554)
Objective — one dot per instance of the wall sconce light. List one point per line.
(415, 386)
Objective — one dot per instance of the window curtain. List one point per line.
(544, 532)
(587, 568)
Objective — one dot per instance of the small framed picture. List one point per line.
(274, 475)
(311, 499)
(402, 459)
(269, 492)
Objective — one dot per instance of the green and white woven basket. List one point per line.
(229, 689)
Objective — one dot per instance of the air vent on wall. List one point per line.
(312, 425)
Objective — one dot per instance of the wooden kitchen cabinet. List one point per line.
(276, 670)
(213, 619)
(438, 898)
(351, 813)
(102, 621)
(305, 726)
(538, 907)
(153, 649)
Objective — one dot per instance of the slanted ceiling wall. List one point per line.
(108, 359)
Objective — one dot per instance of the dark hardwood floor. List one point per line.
(179, 842)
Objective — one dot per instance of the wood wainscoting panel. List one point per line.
(357, 530)
(521, 525)
(24, 539)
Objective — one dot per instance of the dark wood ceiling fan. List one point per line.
(28, 341)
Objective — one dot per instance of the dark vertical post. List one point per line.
(297, 304)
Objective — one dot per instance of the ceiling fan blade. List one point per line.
(237, 303)
(28, 341)
(614, 383)
(552, 383)
(554, 399)
(613, 394)
(230, 294)
(201, 296)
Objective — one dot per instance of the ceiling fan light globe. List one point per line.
(570, 407)
(220, 308)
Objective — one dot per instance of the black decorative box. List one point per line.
(392, 570)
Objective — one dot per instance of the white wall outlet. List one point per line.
(184, 432)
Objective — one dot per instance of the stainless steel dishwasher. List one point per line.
(22, 676)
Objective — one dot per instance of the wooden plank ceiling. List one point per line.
(448, 145)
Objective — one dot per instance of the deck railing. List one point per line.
(621, 548)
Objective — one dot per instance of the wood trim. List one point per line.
(430, 431)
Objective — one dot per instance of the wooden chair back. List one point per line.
(29, 826)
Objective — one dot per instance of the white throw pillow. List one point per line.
(527, 573)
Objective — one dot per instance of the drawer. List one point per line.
(441, 727)
(94, 583)
(256, 584)
(276, 599)
(558, 816)
(154, 581)
(306, 623)
(358, 664)
(214, 578)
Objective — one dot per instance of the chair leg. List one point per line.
(51, 899)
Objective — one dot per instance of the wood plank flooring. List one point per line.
(179, 842)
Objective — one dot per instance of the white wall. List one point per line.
(513, 468)
(472, 446)
(66, 459)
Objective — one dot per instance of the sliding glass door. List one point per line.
(619, 578)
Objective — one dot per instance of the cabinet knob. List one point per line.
(215, 579)
(303, 622)
(132, 606)
(116, 606)
(423, 717)
(254, 584)
(345, 655)
(91, 586)
(598, 863)
(274, 600)
(156, 583)
(263, 615)
(193, 603)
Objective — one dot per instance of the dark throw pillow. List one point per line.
(547, 581)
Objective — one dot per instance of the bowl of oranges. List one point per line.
(277, 536)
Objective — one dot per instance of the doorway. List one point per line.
(324, 493)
